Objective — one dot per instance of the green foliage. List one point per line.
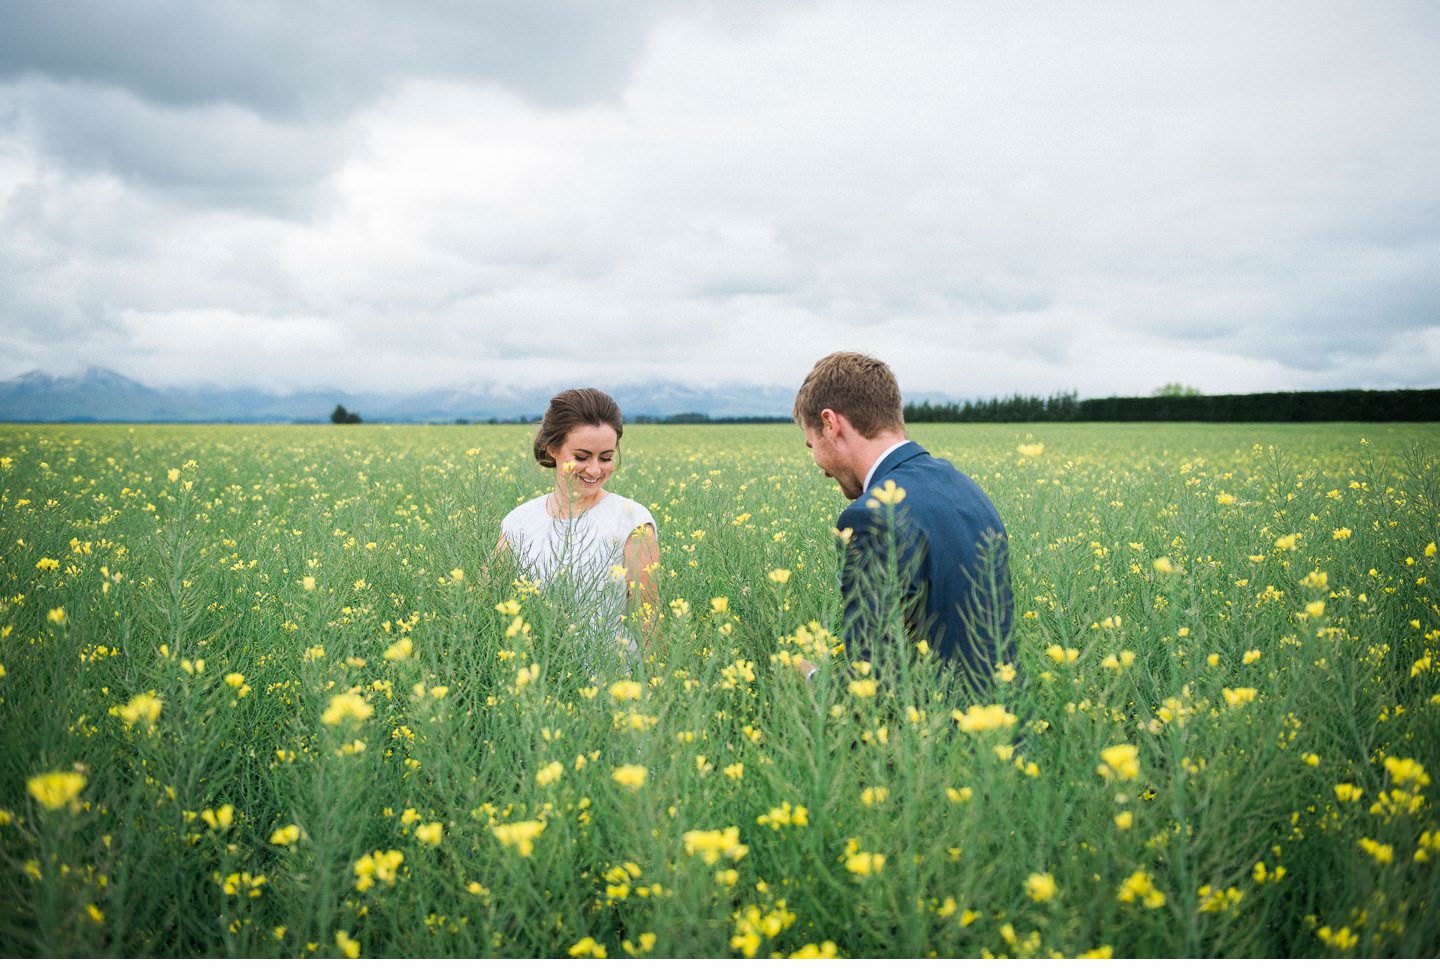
(1223, 633)
(1017, 407)
(1176, 402)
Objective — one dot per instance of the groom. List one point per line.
(948, 579)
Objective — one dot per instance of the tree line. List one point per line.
(1173, 402)
(1353, 405)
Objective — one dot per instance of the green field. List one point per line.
(257, 699)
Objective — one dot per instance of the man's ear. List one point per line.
(834, 424)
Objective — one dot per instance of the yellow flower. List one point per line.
(1163, 565)
(350, 948)
(711, 845)
(430, 833)
(1214, 900)
(56, 789)
(1383, 854)
(381, 866)
(587, 947)
(1238, 696)
(1034, 450)
(344, 706)
(47, 564)
(1120, 761)
(56, 616)
(864, 864)
(219, 819)
(890, 494)
(1286, 543)
(876, 795)
(784, 814)
(549, 774)
(142, 707)
(1138, 886)
(285, 835)
(519, 836)
(1040, 886)
(626, 690)
(1341, 939)
(1062, 655)
(308, 584)
(1346, 792)
(825, 951)
(863, 688)
(978, 718)
(400, 650)
(779, 576)
(1124, 820)
(960, 795)
(1341, 533)
(630, 776)
(1406, 771)
(1225, 498)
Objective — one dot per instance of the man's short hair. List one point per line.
(860, 387)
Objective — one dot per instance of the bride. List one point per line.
(593, 552)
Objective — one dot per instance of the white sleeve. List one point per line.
(640, 515)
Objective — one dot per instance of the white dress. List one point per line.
(575, 560)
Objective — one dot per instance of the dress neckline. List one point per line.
(571, 518)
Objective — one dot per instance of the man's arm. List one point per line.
(862, 552)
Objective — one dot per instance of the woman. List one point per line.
(584, 545)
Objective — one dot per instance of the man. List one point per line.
(923, 549)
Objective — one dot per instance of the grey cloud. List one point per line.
(322, 58)
(212, 154)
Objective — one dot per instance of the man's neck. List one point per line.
(870, 450)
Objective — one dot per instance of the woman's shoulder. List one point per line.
(524, 514)
(629, 512)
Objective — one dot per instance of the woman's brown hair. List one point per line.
(575, 408)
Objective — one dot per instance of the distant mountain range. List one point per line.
(100, 394)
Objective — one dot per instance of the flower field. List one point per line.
(260, 696)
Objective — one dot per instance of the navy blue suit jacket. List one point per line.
(950, 574)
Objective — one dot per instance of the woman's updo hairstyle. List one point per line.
(575, 408)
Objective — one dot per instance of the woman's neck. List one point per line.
(564, 505)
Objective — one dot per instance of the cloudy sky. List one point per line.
(994, 197)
